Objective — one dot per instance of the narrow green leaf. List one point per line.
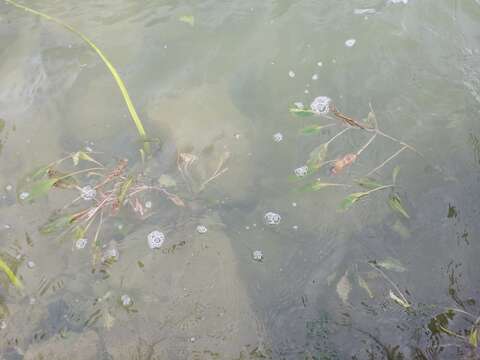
(317, 157)
(390, 263)
(318, 185)
(395, 172)
(396, 204)
(38, 189)
(301, 112)
(473, 338)
(123, 190)
(363, 284)
(10, 274)
(312, 129)
(188, 19)
(57, 224)
(352, 199)
(398, 300)
(368, 183)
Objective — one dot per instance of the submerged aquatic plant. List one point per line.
(106, 61)
(318, 158)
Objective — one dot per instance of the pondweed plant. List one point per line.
(111, 68)
(102, 192)
(323, 107)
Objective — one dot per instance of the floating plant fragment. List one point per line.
(321, 105)
(10, 274)
(390, 263)
(313, 129)
(352, 199)
(363, 284)
(301, 112)
(272, 218)
(398, 300)
(368, 183)
(155, 239)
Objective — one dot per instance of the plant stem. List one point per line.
(386, 161)
(390, 281)
(378, 189)
(337, 135)
(366, 144)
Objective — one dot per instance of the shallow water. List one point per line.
(218, 88)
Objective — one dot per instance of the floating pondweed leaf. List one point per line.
(368, 183)
(363, 284)
(398, 300)
(390, 263)
(10, 274)
(395, 172)
(57, 224)
(396, 204)
(188, 19)
(317, 157)
(301, 112)
(312, 129)
(344, 287)
(352, 199)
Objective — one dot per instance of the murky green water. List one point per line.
(214, 81)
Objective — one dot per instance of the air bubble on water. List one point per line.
(201, 229)
(321, 105)
(350, 42)
(315, 77)
(81, 243)
(319, 63)
(9, 187)
(272, 218)
(294, 204)
(88, 193)
(295, 227)
(30, 264)
(24, 195)
(291, 73)
(257, 255)
(148, 204)
(301, 171)
(126, 300)
(155, 239)
(277, 137)
(306, 91)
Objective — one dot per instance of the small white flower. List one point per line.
(321, 105)
(272, 218)
(201, 229)
(88, 193)
(301, 171)
(81, 243)
(155, 239)
(24, 195)
(277, 137)
(350, 42)
(257, 255)
(291, 74)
